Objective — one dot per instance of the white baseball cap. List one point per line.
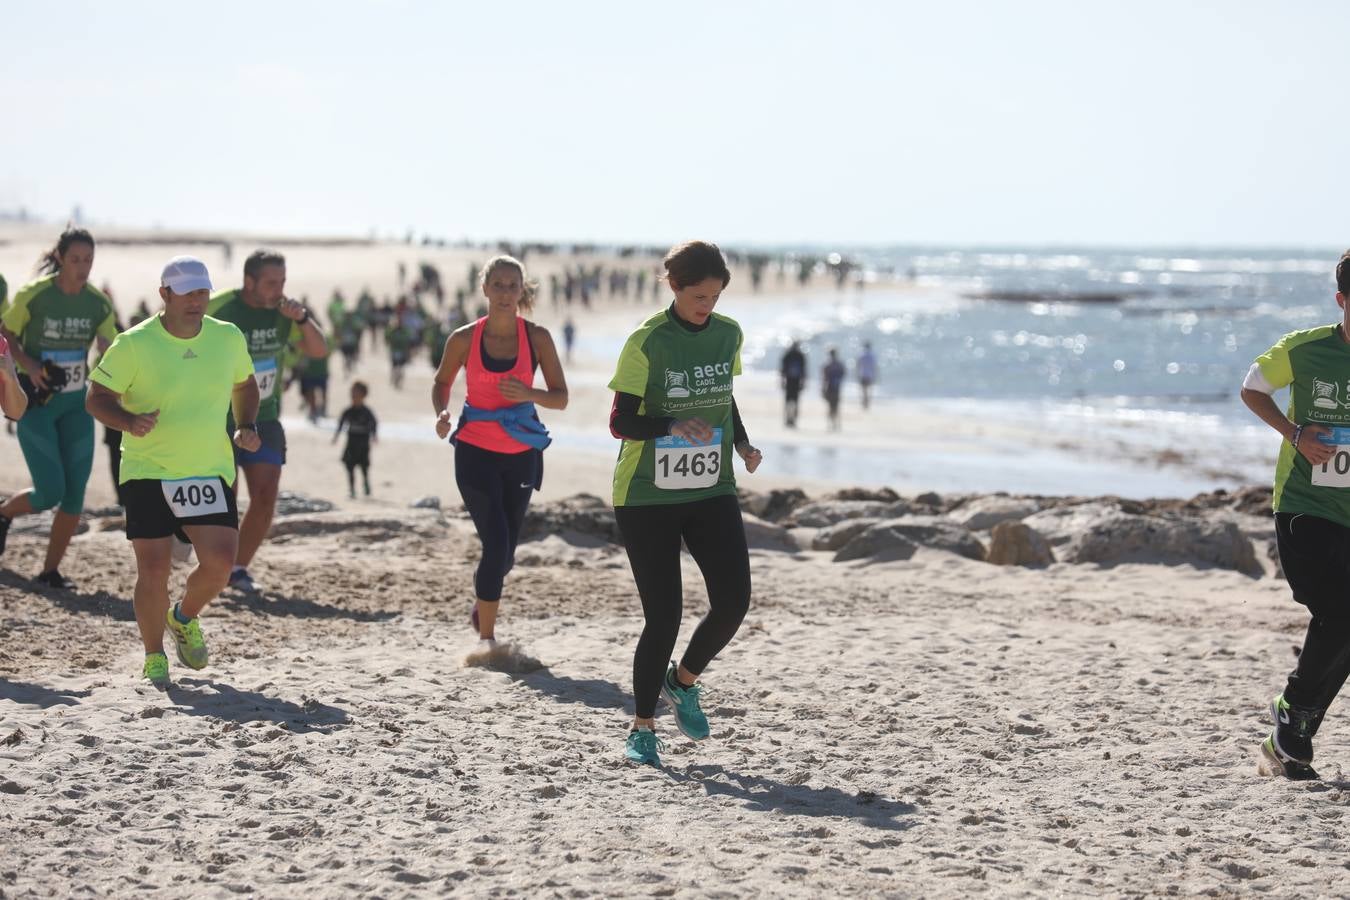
(185, 274)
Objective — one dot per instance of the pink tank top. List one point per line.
(484, 388)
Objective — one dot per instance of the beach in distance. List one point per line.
(1013, 627)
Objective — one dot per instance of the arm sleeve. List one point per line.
(16, 315)
(342, 420)
(1256, 381)
(1275, 366)
(374, 424)
(243, 363)
(630, 375)
(626, 422)
(107, 329)
(117, 369)
(737, 426)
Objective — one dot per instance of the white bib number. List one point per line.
(192, 497)
(681, 465)
(75, 364)
(1335, 472)
(265, 373)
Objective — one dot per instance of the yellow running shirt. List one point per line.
(190, 382)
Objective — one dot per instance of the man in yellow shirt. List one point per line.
(167, 384)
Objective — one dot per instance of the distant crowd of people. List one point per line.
(792, 369)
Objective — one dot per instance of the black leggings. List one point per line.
(1315, 555)
(496, 488)
(715, 535)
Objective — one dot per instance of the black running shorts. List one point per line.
(158, 509)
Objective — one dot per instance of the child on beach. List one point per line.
(361, 432)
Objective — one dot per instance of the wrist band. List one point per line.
(1298, 432)
(303, 319)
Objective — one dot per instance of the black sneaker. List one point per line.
(4, 531)
(56, 580)
(1289, 750)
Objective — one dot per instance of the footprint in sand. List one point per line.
(504, 657)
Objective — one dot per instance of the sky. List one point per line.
(953, 122)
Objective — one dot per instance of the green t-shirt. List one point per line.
(190, 381)
(53, 325)
(1315, 366)
(268, 334)
(681, 374)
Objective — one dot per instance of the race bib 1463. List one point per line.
(1335, 472)
(681, 465)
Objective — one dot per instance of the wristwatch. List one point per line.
(303, 319)
(248, 427)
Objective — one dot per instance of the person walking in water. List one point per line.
(674, 484)
(832, 376)
(792, 372)
(866, 368)
(499, 441)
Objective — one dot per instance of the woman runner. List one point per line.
(674, 482)
(499, 439)
(49, 327)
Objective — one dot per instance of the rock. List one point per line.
(983, 513)
(289, 503)
(762, 535)
(824, 513)
(840, 533)
(880, 495)
(775, 505)
(1018, 544)
(878, 543)
(428, 502)
(928, 499)
(928, 531)
(581, 514)
(1102, 533)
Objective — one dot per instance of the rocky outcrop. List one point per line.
(1018, 544)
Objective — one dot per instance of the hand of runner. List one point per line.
(247, 439)
(143, 424)
(443, 424)
(695, 431)
(38, 377)
(291, 309)
(514, 389)
(750, 455)
(1313, 449)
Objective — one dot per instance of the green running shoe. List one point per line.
(156, 669)
(188, 640)
(689, 717)
(644, 747)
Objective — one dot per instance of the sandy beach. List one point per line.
(933, 725)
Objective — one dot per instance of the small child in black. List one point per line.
(361, 426)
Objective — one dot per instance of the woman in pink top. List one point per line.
(498, 443)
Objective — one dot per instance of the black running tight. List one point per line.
(715, 535)
(496, 488)
(1315, 555)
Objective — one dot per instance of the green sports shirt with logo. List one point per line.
(190, 381)
(1315, 366)
(54, 326)
(680, 374)
(269, 335)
